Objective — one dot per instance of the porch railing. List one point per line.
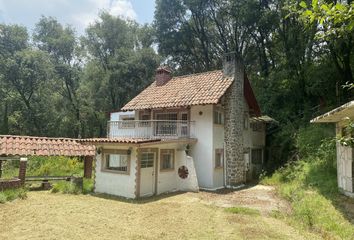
(151, 129)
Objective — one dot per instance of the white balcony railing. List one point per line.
(151, 129)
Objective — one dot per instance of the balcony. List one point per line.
(151, 129)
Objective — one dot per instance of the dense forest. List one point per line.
(298, 56)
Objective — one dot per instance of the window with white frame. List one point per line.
(167, 124)
(246, 121)
(117, 161)
(147, 159)
(167, 159)
(127, 122)
(218, 116)
(256, 126)
(219, 158)
(144, 118)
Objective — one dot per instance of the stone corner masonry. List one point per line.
(234, 114)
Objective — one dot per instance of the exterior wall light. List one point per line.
(99, 150)
(187, 149)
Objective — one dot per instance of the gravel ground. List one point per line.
(175, 216)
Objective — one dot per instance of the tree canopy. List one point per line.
(298, 56)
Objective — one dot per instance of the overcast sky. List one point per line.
(78, 13)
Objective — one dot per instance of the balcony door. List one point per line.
(184, 131)
(166, 124)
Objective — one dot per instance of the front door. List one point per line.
(147, 174)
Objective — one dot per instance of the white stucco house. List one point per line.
(341, 116)
(181, 133)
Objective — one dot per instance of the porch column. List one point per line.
(22, 171)
(0, 168)
(88, 166)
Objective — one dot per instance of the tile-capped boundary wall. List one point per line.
(10, 184)
(15, 182)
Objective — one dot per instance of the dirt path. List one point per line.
(178, 216)
(347, 206)
(260, 197)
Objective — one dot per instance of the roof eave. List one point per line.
(336, 115)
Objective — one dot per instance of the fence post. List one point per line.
(88, 166)
(22, 171)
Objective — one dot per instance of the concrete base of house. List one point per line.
(223, 187)
(236, 187)
(211, 189)
(346, 193)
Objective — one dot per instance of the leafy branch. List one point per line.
(347, 138)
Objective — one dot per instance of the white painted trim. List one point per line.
(9, 158)
(212, 189)
(23, 159)
(236, 187)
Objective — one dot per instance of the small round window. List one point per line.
(183, 172)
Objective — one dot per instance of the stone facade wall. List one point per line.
(9, 184)
(234, 123)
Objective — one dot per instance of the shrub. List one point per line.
(65, 187)
(87, 186)
(71, 188)
(54, 166)
(310, 186)
(3, 197)
(46, 166)
(309, 138)
(12, 194)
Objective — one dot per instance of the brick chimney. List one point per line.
(234, 122)
(163, 75)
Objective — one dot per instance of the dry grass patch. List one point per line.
(180, 216)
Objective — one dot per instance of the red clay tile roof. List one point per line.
(43, 146)
(255, 110)
(195, 89)
(118, 140)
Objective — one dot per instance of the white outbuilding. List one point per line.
(341, 116)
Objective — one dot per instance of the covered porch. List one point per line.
(133, 168)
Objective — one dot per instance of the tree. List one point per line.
(28, 74)
(121, 61)
(334, 24)
(61, 44)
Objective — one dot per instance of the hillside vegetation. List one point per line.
(310, 185)
(46, 166)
